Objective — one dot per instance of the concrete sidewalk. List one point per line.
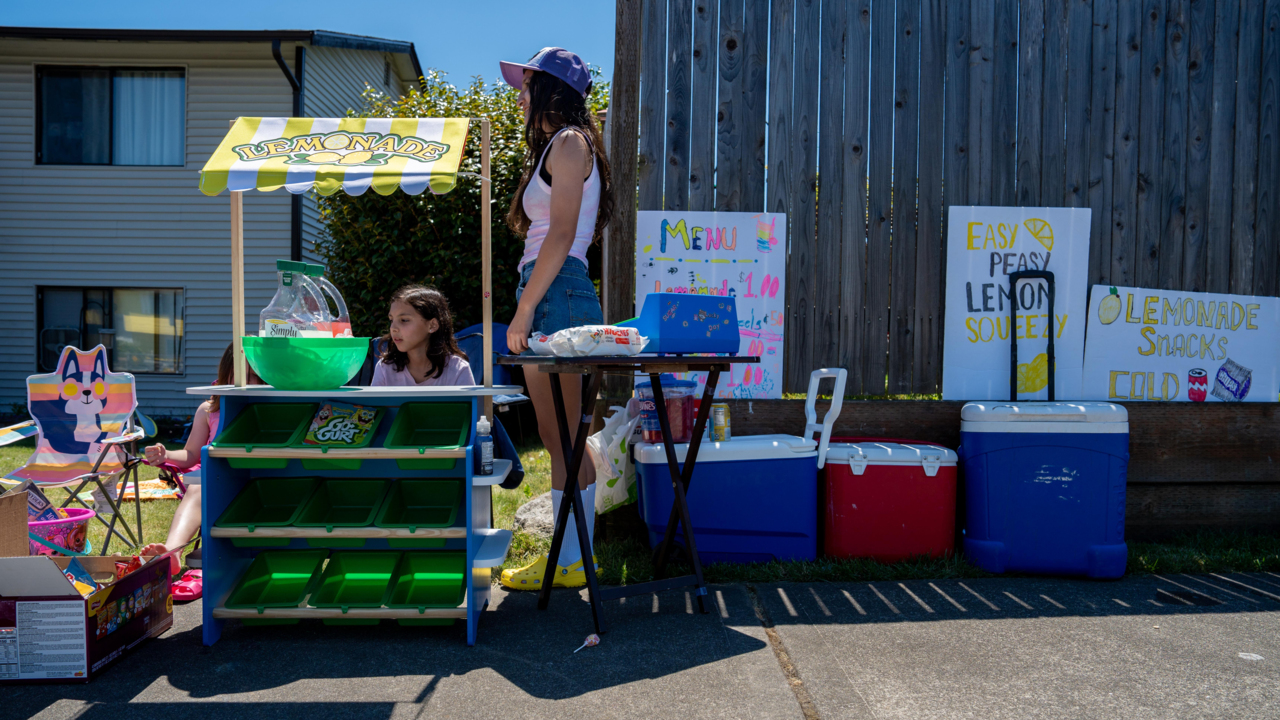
(991, 648)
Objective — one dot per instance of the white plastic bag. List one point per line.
(615, 473)
(589, 341)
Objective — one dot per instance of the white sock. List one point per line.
(570, 553)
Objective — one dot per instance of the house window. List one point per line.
(142, 328)
(110, 116)
(386, 74)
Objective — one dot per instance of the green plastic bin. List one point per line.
(266, 425)
(429, 580)
(414, 504)
(342, 503)
(430, 426)
(267, 502)
(325, 463)
(355, 580)
(277, 579)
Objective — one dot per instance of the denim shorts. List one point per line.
(571, 300)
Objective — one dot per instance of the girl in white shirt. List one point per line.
(563, 202)
(421, 349)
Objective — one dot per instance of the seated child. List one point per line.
(186, 519)
(420, 347)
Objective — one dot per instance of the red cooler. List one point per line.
(889, 500)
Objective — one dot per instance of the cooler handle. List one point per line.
(811, 411)
(1014, 277)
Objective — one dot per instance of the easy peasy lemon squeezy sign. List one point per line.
(984, 245)
(1181, 346)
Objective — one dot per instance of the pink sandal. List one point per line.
(189, 587)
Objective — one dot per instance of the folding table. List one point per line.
(596, 368)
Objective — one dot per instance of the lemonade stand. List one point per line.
(391, 523)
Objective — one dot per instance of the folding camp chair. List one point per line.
(83, 415)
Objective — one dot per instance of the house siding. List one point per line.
(335, 82)
(148, 226)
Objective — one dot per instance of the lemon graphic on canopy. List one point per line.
(1109, 308)
(1040, 230)
(1034, 376)
(355, 158)
(323, 157)
(335, 142)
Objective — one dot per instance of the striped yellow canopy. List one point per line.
(351, 154)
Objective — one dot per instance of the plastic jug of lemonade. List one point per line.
(297, 309)
(340, 320)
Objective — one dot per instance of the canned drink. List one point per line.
(1197, 385)
(720, 428)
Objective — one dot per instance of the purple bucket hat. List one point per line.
(557, 61)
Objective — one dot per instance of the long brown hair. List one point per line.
(431, 304)
(226, 370)
(227, 375)
(553, 103)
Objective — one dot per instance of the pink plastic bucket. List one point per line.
(70, 532)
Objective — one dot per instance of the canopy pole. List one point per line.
(237, 287)
(486, 237)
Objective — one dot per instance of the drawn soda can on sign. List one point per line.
(1197, 384)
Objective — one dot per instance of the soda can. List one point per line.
(720, 429)
(1197, 385)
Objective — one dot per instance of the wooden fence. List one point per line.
(863, 121)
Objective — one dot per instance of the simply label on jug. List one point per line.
(985, 245)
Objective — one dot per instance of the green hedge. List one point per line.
(374, 243)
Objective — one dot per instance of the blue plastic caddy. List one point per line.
(1045, 487)
(676, 323)
(752, 499)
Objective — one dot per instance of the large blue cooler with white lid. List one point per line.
(1045, 486)
(751, 499)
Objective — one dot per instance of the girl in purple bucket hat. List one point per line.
(564, 201)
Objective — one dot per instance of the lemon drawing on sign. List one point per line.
(335, 142)
(355, 158)
(323, 157)
(1034, 376)
(647, 248)
(1109, 308)
(1040, 230)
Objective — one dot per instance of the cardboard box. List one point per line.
(13, 525)
(50, 634)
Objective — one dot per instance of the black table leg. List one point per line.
(574, 454)
(679, 508)
(686, 474)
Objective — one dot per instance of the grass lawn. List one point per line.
(628, 560)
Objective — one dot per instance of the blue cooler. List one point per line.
(1045, 486)
(752, 499)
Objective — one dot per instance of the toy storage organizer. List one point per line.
(399, 529)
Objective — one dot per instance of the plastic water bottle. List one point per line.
(292, 311)
(340, 324)
(485, 440)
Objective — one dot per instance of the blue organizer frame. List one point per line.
(223, 563)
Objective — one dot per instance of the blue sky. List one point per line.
(460, 37)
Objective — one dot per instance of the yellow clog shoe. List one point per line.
(528, 577)
(573, 576)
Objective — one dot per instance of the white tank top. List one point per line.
(537, 205)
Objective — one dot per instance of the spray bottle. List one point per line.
(485, 441)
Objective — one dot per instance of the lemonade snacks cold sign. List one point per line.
(984, 245)
(1181, 346)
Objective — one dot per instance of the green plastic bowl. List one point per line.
(305, 363)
